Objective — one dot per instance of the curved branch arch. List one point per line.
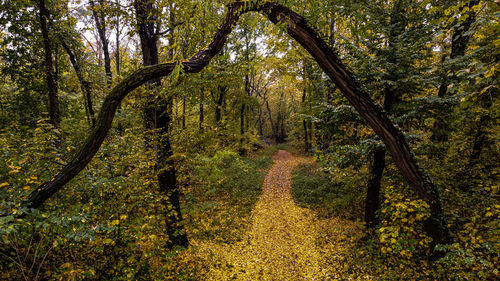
(298, 28)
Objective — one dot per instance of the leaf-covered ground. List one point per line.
(284, 240)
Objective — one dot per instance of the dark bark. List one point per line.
(273, 128)
(306, 136)
(167, 180)
(117, 38)
(100, 22)
(459, 40)
(158, 119)
(202, 110)
(480, 139)
(146, 30)
(183, 113)
(460, 37)
(242, 119)
(298, 29)
(392, 96)
(243, 106)
(84, 84)
(219, 103)
(54, 114)
(304, 124)
(372, 203)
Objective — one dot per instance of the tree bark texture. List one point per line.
(459, 40)
(54, 114)
(202, 109)
(372, 204)
(298, 28)
(273, 128)
(219, 103)
(158, 119)
(100, 22)
(392, 96)
(84, 84)
(304, 124)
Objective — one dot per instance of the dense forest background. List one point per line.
(185, 157)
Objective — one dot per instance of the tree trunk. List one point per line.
(117, 38)
(372, 204)
(304, 124)
(392, 96)
(480, 139)
(242, 119)
(100, 22)
(243, 106)
(54, 114)
(158, 119)
(273, 128)
(84, 84)
(202, 110)
(221, 92)
(298, 28)
(459, 40)
(183, 113)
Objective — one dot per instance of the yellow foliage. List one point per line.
(284, 241)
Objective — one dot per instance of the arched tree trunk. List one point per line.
(297, 27)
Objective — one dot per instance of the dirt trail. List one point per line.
(282, 242)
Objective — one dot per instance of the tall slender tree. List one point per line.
(54, 113)
(157, 120)
(99, 15)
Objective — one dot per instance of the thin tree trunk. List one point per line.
(480, 139)
(100, 22)
(54, 114)
(243, 106)
(273, 128)
(183, 113)
(310, 132)
(117, 38)
(459, 40)
(306, 136)
(202, 110)
(84, 84)
(221, 91)
(242, 119)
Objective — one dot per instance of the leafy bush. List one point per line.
(315, 188)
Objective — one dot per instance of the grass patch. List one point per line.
(314, 189)
(225, 190)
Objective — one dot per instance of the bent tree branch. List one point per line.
(298, 28)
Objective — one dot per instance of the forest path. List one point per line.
(283, 242)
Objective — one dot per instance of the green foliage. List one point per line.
(228, 187)
(317, 189)
(399, 231)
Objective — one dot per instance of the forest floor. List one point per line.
(284, 241)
